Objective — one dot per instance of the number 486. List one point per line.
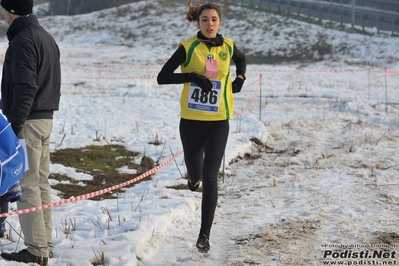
(203, 97)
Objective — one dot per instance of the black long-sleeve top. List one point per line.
(167, 75)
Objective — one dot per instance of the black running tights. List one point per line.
(204, 143)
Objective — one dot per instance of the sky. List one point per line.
(310, 165)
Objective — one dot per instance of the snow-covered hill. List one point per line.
(159, 25)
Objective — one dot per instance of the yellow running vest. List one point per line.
(219, 103)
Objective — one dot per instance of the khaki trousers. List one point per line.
(37, 226)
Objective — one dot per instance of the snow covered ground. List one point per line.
(311, 162)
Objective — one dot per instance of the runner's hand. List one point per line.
(203, 82)
(237, 85)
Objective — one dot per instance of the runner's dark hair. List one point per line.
(194, 12)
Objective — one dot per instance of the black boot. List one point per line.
(203, 243)
(192, 186)
(26, 257)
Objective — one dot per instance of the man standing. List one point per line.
(30, 90)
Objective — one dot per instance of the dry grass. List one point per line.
(101, 162)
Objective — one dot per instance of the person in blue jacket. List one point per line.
(12, 159)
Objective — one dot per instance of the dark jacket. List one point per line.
(31, 82)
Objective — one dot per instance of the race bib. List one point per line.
(206, 102)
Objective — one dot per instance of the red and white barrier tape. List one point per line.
(374, 73)
(306, 70)
(115, 78)
(93, 194)
(252, 99)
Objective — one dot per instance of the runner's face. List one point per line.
(209, 23)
